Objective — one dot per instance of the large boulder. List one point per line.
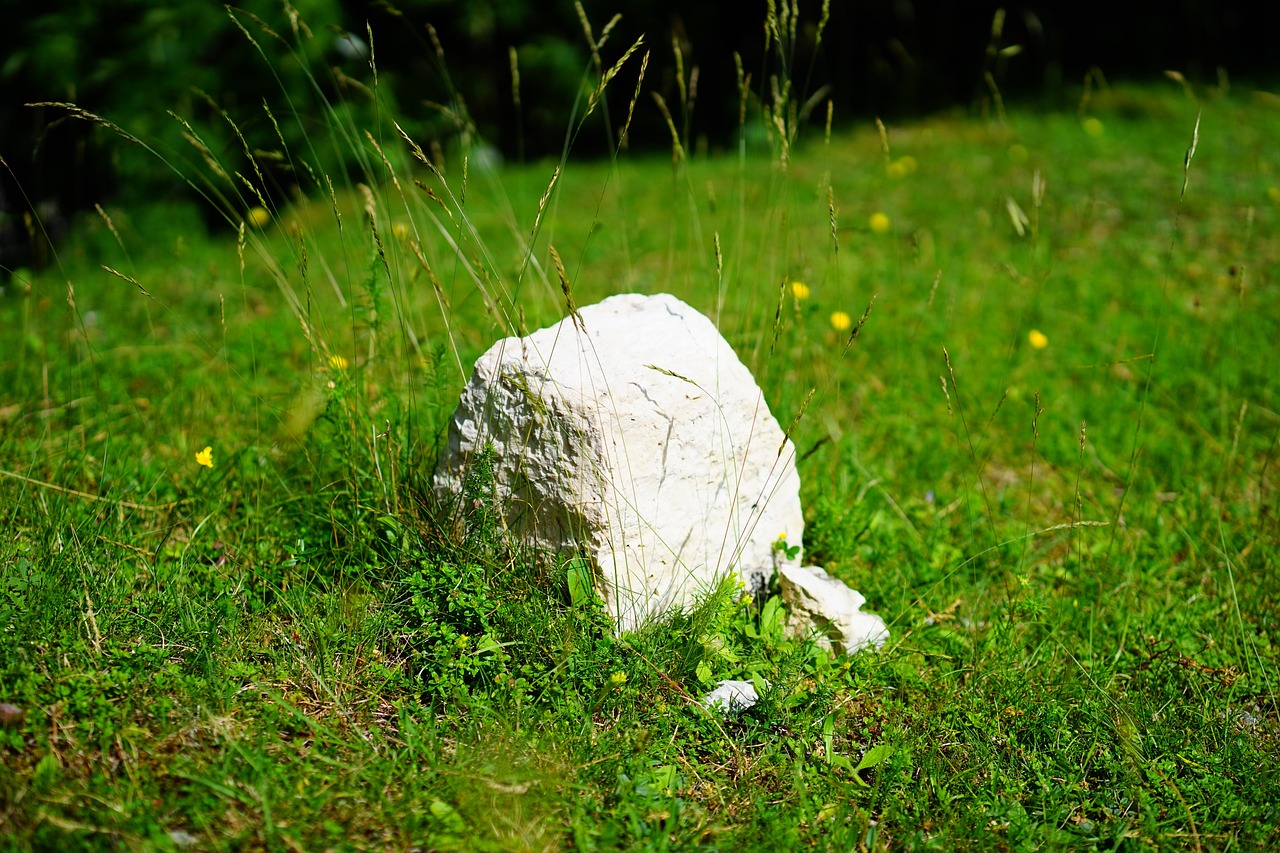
(631, 435)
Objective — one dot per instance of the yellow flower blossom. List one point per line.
(258, 216)
(337, 362)
(1093, 127)
(841, 321)
(799, 290)
(1038, 339)
(879, 222)
(901, 167)
(618, 678)
(205, 457)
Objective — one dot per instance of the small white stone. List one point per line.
(632, 436)
(731, 697)
(826, 609)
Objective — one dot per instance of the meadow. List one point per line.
(1028, 363)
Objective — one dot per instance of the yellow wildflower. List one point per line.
(258, 216)
(337, 362)
(618, 678)
(205, 457)
(901, 167)
(1092, 126)
(1038, 339)
(799, 290)
(401, 230)
(841, 321)
(879, 222)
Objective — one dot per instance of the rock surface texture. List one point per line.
(631, 435)
(824, 608)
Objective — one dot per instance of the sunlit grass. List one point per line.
(1047, 459)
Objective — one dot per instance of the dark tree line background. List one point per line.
(134, 62)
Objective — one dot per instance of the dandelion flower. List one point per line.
(258, 216)
(799, 290)
(879, 222)
(1038, 339)
(205, 457)
(1093, 127)
(337, 362)
(840, 321)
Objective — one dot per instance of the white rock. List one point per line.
(636, 438)
(182, 838)
(824, 608)
(730, 697)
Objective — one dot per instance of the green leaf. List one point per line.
(771, 617)
(873, 757)
(581, 586)
(704, 672)
(447, 815)
(47, 771)
(487, 644)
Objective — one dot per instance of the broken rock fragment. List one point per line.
(824, 608)
(731, 697)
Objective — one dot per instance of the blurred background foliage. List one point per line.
(164, 72)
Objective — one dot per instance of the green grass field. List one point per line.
(1049, 461)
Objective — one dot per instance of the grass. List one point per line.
(1073, 539)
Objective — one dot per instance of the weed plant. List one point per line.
(233, 615)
